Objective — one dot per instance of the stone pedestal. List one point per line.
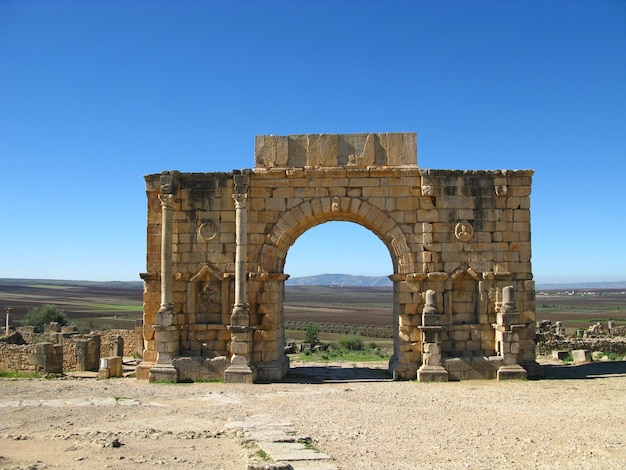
(432, 374)
(508, 337)
(512, 372)
(167, 347)
(163, 373)
(432, 369)
(240, 370)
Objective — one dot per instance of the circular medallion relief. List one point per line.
(464, 231)
(207, 231)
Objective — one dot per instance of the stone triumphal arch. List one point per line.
(459, 242)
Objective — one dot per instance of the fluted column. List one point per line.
(240, 369)
(166, 330)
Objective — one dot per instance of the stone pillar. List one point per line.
(432, 369)
(48, 358)
(7, 329)
(166, 330)
(88, 353)
(240, 369)
(508, 331)
(116, 345)
(269, 337)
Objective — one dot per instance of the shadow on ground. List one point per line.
(316, 374)
(592, 370)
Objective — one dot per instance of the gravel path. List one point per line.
(564, 423)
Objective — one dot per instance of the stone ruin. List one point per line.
(587, 344)
(459, 242)
(59, 350)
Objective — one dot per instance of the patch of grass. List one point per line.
(19, 375)
(337, 354)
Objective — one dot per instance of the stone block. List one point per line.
(581, 356)
(110, 367)
(512, 372)
(194, 368)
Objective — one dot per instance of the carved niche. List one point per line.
(207, 297)
(465, 295)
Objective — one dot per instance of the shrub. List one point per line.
(311, 330)
(40, 316)
(351, 342)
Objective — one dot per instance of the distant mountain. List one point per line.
(340, 280)
(382, 281)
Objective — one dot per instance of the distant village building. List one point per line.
(459, 242)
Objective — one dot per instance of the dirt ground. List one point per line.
(574, 419)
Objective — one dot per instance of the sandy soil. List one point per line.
(574, 420)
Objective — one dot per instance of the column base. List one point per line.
(239, 375)
(512, 372)
(240, 372)
(163, 373)
(432, 374)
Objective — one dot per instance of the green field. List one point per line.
(88, 305)
(340, 310)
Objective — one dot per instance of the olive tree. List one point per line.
(40, 316)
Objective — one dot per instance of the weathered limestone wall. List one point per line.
(128, 336)
(605, 344)
(463, 234)
(15, 357)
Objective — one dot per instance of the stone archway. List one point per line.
(283, 235)
(308, 214)
(458, 240)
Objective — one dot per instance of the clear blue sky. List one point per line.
(95, 94)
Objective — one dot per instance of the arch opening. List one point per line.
(342, 298)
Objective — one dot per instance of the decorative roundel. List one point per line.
(207, 231)
(463, 231)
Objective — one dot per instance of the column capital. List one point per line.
(167, 200)
(241, 181)
(240, 200)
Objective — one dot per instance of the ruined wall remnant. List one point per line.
(47, 358)
(462, 235)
